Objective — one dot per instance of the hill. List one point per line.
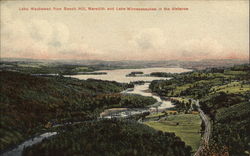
(224, 95)
(111, 137)
(31, 105)
(30, 102)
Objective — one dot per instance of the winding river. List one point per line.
(143, 90)
(118, 75)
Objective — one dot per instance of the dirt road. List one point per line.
(206, 135)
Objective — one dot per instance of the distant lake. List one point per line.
(119, 75)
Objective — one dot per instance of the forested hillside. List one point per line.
(113, 138)
(224, 95)
(28, 102)
(31, 105)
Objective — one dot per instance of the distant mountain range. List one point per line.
(201, 64)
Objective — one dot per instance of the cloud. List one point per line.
(60, 35)
(201, 48)
(39, 38)
(78, 51)
(146, 44)
(208, 48)
(149, 39)
(68, 36)
(40, 30)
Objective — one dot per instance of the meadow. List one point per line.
(185, 126)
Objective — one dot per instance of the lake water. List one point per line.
(143, 90)
(119, 75)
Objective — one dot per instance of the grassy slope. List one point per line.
(221, 92)
(233, 87)
(188, 128)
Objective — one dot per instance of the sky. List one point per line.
(207, 30)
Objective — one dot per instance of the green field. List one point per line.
(188, 128)
(233, 87)
(179, 89)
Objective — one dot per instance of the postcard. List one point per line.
(126, 77)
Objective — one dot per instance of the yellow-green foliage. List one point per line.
(233, 87)
(154, 115)
(79, 69)
(187, 129)
(179, 89)
(231, 72)
(180, 99)
(184, 87)
(29, 65)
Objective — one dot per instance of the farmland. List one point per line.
(186, 126)
(224, 95)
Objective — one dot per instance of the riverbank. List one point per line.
(29, 103)
(49, 99)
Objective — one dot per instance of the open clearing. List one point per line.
(186, 126)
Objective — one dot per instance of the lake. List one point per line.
(119, 75)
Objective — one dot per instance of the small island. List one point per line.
(134, 74)
(92, 73)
